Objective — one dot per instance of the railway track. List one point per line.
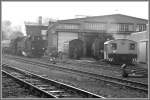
(106, 66)
(14, 89)
(119, 81)
(46, 88)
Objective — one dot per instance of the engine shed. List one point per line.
(88, 29)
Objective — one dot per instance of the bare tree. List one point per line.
(6, 29)
(9, 32)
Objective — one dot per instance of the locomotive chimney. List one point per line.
(40, 19)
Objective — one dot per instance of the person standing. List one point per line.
(124, 71)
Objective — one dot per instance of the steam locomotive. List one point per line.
(30, 46)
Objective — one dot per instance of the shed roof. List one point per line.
(115, 18)
(34, 24)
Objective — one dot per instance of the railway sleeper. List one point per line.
(61, 94)
(48, 88)
(56, 91)
(33, 81)
(64, 95)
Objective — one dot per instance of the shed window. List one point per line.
(114, 46)
(140, 27)
(132, 46)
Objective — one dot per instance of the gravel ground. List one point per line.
(11, 89)
(92, 85)
(110, 70)
(87, 65)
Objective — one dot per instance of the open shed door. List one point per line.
(64, 37)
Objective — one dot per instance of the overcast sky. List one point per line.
(18, 12)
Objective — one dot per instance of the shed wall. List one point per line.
(143, 52)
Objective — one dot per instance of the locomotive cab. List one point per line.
(38, 46)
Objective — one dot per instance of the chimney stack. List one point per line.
(40, 19)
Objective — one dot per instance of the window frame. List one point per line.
(131, 46)
(114, 46)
